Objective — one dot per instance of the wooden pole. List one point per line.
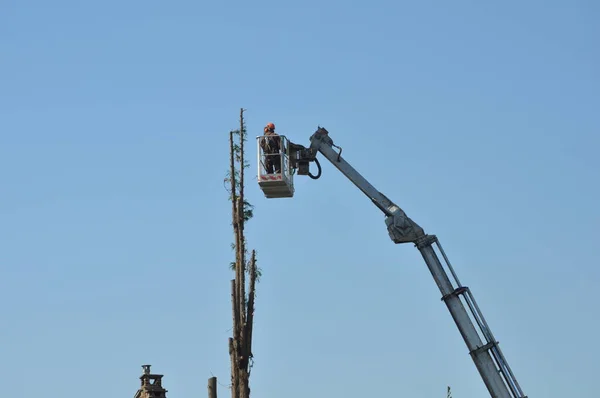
(212, 387)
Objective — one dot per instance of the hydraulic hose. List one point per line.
(318, 174)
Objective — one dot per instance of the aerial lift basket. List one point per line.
(275, 185)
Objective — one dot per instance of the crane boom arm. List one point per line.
(483, 347)
(400, 227)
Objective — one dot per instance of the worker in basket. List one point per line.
(271, 145)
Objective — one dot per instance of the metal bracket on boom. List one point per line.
(401, 228)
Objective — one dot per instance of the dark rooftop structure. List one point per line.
(151, 385)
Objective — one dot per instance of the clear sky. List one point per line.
(480, 121)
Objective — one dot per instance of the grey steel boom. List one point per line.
(481, 343)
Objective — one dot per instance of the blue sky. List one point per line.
(479, 120)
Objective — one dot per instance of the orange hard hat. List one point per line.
(270, 126)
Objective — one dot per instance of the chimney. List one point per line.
(151, 385)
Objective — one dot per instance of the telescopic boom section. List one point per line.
(483, 347)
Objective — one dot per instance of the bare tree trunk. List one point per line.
(251, 294)
(234, 373)
(240, 345)
(240, 216)
(235, 380)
